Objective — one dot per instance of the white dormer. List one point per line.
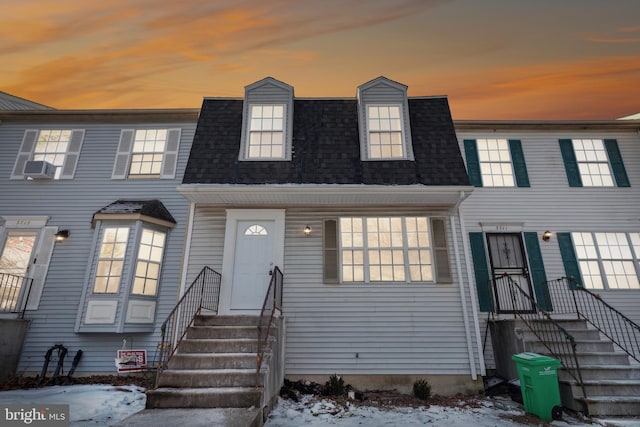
(267, 118)
(383, 120)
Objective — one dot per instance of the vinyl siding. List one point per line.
(551, 204)
(394, 329)
(70, 205)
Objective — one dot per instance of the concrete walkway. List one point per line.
(194, 417)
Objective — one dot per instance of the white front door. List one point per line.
(253, 261)
(253, 246)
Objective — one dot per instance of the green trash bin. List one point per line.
(539, 384)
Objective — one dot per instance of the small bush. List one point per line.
(335, 386)
(422, 389)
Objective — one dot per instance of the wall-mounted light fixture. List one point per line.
(307, 230)
(62, 235)
(546, 236)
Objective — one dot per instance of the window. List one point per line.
(15, 259)
(148, 264)
(266, 132)
(608, 260)
(384, 124)
(496, 162)
(60, 147)
(385, 249)
(111, 260)
(147, 153)
(593, 163)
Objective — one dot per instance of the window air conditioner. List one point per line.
(39, 169)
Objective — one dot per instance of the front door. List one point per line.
(508, 260)
(253, 263)
(15, 258)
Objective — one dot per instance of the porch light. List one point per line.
(546, 236)
(307, 230)
(61, 235)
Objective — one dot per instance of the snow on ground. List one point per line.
(89, 405)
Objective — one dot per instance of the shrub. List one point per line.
(422, 389)
(335, 386)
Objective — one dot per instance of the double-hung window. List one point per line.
(58, 147)
(608, 260)
(592, 162)
(387, 249)
(266, 132)
(384, 126)
(496, 162)
(147, 153)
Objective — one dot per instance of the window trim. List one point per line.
(369, 131)
(71, 156)
(248, 131)
(517, 160)
(124, 153)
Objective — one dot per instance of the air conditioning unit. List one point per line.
(39, 169)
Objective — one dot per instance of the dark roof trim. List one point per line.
(470, 125)
(102, 116)
(152, 211)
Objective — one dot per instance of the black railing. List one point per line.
(570, 297)
(560, 343)
(202, 294)
(271, 305)
(14, 293)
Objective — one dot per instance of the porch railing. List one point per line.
(203, 293)
(560, 343)
(272, 304)
(570, 297)
(14, 293)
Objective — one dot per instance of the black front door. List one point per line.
(508, 260)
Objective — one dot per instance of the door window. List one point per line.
(14, 264)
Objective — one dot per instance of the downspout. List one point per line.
(187, 250)
(463, 301)
(472, 293)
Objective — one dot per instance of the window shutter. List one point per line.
(570, 163)
(38, 270)
(440, 251)
(481, 270)
(171, 154)
(536, 273)
(473, 163)
(617, 166)
(330, 251)
(73, 154)
(121, 165)
(28, 144)
(569, 259)
(519, 165)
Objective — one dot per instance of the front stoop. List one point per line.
(214, 367)
(611, 383)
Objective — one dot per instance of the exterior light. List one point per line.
(307, 230)
(546, 236)
(62, 235)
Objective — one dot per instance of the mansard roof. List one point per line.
(326, 147)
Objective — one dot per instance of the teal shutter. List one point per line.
(569, 259)
(519, 166)
(617, 166)
(570, 163)
(536, 271)
(481, 269)
(473, 163)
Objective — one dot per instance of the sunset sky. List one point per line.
(494, 59)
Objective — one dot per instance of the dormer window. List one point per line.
(268, 121)
(383, 118)
(266, 131)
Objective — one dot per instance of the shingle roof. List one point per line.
(326, 147)
(149, 208)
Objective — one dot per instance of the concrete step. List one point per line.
(578, 334)
(215, 320)
(581, 346)
(222, 332)
(210, 397)
(192, 378)
(612, 405)
(617, 388)
(602, 358)
(213, 361)
(226, 345)
(573, 324)
(603, 372)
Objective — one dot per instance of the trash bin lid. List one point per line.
(535, 359)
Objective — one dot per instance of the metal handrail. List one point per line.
(14, 293)
(272, 302)
(560, 343)
(203, 293)
(568, 297)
